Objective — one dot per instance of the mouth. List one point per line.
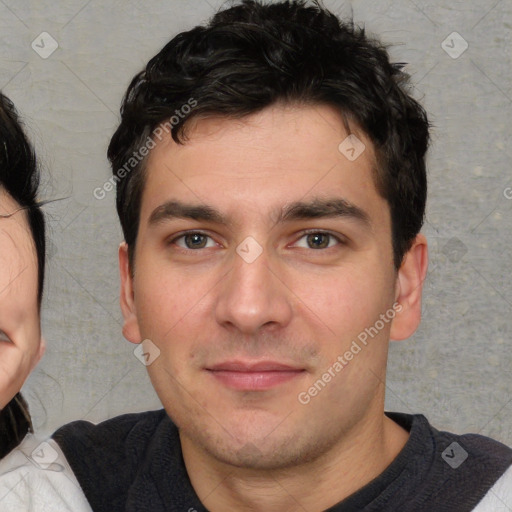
(254, 376)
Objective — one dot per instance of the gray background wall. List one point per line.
(457, 367)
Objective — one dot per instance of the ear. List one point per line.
(131, 326)
(409, 287)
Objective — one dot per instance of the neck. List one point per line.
(362, 455)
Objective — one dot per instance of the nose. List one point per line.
(252, 297)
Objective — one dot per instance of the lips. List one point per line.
(253, 376)
(261, 366)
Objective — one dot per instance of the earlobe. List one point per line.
(409, 287)
(130, 326)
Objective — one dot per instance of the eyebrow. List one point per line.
(298, 210)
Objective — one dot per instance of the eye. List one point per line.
(193, 240)
(4, 337)
(319, 240)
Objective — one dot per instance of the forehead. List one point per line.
(281, 154)
(7, 203)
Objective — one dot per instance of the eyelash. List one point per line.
(340, 240)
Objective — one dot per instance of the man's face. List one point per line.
(250, 307)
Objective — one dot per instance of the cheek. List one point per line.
(168, 303)
(18, 259)
(11, 269)
(18, 275)
(19, 310)
(346, 300)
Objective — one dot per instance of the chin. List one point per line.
(278, 454)
(257, 443)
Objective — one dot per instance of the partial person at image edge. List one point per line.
(24, 486)
(20, 347)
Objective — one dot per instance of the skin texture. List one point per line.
(21, 344)
(295, 304)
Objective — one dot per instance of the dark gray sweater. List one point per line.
(134, 463)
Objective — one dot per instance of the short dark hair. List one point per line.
(253, 55)
(19, 176)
